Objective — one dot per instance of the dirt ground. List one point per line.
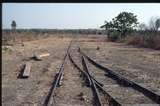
(139, 64)
(31, 91)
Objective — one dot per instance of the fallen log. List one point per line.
(27, 69)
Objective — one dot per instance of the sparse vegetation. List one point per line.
(20, 35)
(6, 49)
(124, 28)
(149, 41)
(146, 36)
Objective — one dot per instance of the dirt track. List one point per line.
(138, 64)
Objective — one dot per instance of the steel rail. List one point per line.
(92, 83)
(72, 61)
(56, 80)
(85, 68)
(122, 80)
(110, 99)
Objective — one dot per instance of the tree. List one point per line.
(157, 24)
(13, 25)
(108, 27)
(154, 24)
(142, 27)
(124, 22)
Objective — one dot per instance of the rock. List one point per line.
(98, 48)
(39, 56)
(82, 97)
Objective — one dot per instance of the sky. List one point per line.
(72, 15)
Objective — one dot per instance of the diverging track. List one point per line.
(92, 82)
(85, 86)
(122, 81)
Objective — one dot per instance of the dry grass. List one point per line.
(13, 37)
(148, 41)
(10, 38)
(133, 40)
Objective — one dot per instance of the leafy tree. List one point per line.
(13, 25)
(124, 22)
(108, 27)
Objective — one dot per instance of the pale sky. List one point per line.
(72, 15)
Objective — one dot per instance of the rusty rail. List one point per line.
(110, 99)
(92, 83)
(50, 97)
(124, 81)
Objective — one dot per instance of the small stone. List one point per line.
(98, 47)
(83, 97)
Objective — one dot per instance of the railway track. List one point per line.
(112, 101)
(124, 81)
(95, 84)
(101, 95)
(57, 80)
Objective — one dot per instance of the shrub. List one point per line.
(113, 36)
(145, 40)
